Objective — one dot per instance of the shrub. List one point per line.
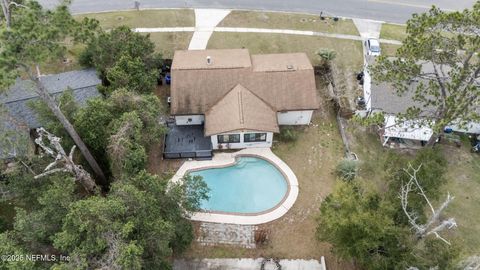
(326, 54)
(346, 169)
(288, 134)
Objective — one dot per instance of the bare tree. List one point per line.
(62, 162)
(53, 106)
(435, 223)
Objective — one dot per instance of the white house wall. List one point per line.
(183, 120)
(242, 144)
(294, 117)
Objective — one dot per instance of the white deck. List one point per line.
(225, 159)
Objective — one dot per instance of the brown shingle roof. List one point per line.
(281, 62)
(197, 59)
(194, 91)
(240, 109)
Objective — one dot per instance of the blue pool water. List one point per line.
(251, 185)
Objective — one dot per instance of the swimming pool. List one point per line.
(251, 185)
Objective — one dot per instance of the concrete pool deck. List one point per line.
(228, 159)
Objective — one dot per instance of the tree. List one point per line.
(326, 55)
(435, 223)
(438, 65)
(104, 51)
(132, 74)
(11, 247)
(7, 6)
(35, 36)
(358, 224)
(54, 149)
(97, 121)
(138, 225)
(431, 176)
(126, 154)
(66, 103)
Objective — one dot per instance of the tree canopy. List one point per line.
(124, 59)
(367, 224)
(438, 64)
(140, 220)
(33, 36)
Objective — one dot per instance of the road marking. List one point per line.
(407, 4)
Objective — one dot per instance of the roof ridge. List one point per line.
(240, 107)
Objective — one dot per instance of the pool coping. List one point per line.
(228, 159)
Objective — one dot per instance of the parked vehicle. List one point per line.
(373, 47)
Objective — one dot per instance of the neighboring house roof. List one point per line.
(384, 97)
(240, 109)
(411, 130)
(83, 83)
(284, 81)
(19, 117)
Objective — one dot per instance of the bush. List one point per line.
(326, 54)
(346, 169)
(288, 134)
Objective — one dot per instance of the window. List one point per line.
(228, 138)
(255, 137)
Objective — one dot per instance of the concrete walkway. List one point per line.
(201, 41)
(205, 22)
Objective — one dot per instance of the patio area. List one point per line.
(187, 142)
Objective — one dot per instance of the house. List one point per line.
(240, 100)
(19, 120)
(382, 97)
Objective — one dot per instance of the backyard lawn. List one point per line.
(144, 18)
(393, 31)
(313, 157)
(281, 20)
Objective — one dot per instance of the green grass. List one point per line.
(393, 31)
(278, 20)
(167, 43)
(144, 18)
(349, 52)
(58, 66)
(464, 184)
(389, 49)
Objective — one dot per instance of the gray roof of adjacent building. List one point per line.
(16, 99)
(19, 117)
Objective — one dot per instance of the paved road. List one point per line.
(397, 11)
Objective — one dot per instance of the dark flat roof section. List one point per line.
(187, 142)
